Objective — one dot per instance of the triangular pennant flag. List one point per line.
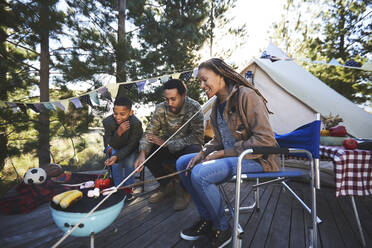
(39, 107)
(2, 104)
(319, 62)
(59, 105)
(367, 66)
(65, 103)
(352, 63)
(264, 55)
(176, 75)
(49, 106)
(113, 89)
(105, 94)
(152, 80)
(141, 85)
(22, 107)
(86, 99)
(164, 79)
(334, 62)
(94, 97)
(13, 106)
(32, 106)
(195, 73)
(76, 102)
(186, 75)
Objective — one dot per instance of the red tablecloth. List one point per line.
(353, 170)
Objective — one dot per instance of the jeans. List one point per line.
(128, 164)
(201, 184)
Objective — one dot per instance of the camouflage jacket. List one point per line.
(164, 123)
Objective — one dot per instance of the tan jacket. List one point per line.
(249, 123)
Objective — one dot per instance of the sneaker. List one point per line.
(197, 230)
(219, 238)
(130, 197)
(128, 191)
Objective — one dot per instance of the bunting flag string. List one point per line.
(333, 62)
(92, 98)
(108, 91)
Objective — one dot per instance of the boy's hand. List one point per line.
(123, 128)
(111, 160)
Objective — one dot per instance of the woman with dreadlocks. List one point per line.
(239, 121)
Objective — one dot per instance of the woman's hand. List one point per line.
(195, 160)
(214, 155)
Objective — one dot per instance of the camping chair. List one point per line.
(304, 141)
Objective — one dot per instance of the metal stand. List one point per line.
(92, 240)
(357, 220)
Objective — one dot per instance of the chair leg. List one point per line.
(229, 208)
(315, 218)
(257, 194)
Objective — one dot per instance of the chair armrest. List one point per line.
(270, 150)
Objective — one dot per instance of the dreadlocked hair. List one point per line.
(230, 76)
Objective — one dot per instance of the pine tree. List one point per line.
(35, 23)
(342, 31)
(16, 79)
(162, 37)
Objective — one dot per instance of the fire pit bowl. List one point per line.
(65, 219)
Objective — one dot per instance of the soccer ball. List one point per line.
(35, 176)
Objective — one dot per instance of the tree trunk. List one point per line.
(44, 149)
(211, 31)
(121, 49)
(3, 95)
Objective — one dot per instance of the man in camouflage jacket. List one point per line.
(168, 117)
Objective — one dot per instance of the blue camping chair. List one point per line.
(304, 141)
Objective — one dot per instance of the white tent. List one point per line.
(295, 96)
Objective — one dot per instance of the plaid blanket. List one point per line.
(28, 197)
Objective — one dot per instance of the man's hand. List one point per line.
(214, 155)
(139, 161)
(195, 160)
(111, 160)
(155, 140)
(124, 126)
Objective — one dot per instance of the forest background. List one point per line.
(57, 49)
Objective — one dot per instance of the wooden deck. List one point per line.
(280, 222)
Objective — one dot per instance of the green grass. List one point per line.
(89, 158)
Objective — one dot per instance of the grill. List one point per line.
(67, 218)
